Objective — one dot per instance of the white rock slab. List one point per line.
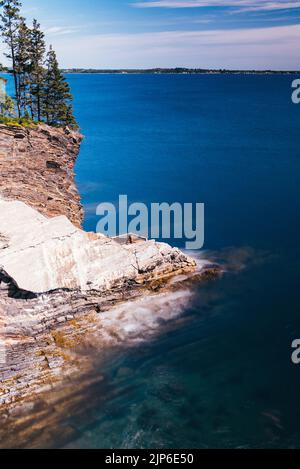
(44, 254)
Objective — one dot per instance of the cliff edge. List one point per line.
(37, 167)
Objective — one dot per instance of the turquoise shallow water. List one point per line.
(221, 375)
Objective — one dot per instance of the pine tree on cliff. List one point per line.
(56, 103)
(22, 60)
(37, 51)
(10, 28)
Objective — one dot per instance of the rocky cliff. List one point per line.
(37, 167)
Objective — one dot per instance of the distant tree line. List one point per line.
(41, 91)
(179, 71)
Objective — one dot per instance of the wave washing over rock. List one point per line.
(61, 286)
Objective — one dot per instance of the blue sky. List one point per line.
(167, 33)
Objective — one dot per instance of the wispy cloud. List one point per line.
(61, 30)
(245, 5)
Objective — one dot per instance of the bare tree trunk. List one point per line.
(39, 102)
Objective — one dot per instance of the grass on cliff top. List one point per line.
(16, 122)
(26, 122)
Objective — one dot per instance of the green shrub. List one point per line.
(16, 122)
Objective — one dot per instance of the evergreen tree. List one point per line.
(37, 52)
(22, 59)
(56, 102)
(10, 18)
(40, 87)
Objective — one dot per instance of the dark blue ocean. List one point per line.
(223, 375)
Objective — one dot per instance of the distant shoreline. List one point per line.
(168, 71)
(178, 71)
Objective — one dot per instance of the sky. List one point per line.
(234, 34)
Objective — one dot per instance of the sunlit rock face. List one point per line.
(37, 167)
(44, 254)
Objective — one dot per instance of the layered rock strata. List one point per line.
(37, 167)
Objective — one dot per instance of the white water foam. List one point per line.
(135, 321)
